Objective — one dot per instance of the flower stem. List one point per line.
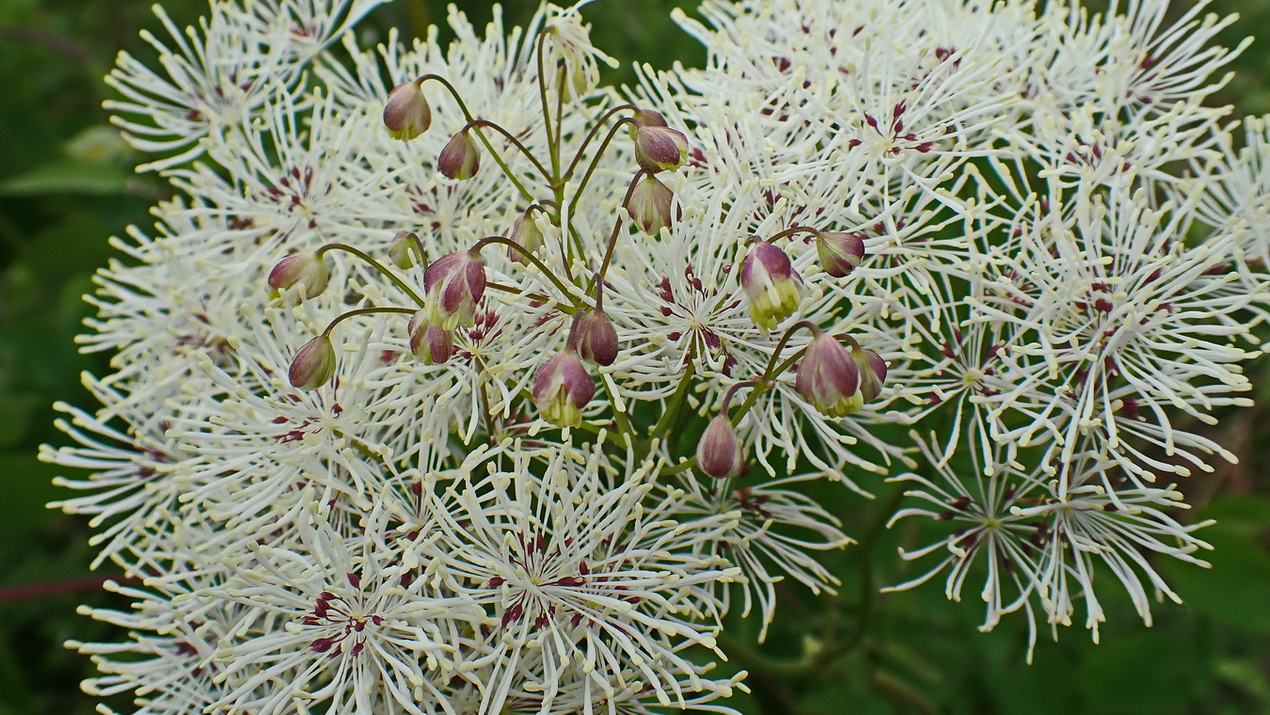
(373, 264)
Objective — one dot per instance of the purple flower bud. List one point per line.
(404, 251)
(304, 268)
(829, 378)
(872, 372)
(660, 148)
(719, 451)
(461, 157)
(454, 283)
(839, 252)
(562, 388)
(429, 342)
(596, 338)
(313, 365)
(650, 206)
(648, 118)
(772, 285)
(525, 232)
(406, 113)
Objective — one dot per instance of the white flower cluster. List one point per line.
(438, 384)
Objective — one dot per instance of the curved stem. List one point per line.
(586, 178)
(477, 123)
(362, 311)
(373, 264)
(546, 108)
(528, 257)
(668, 415)
(586, 141)
(617, 227)
(763, 383)
(790, 232)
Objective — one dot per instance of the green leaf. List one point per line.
(69, 177)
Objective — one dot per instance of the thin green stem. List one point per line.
(546, 107)
(373, 264)
(676, 399)
(477, 123)
(595, 128)
(617, 227)
(362, 311)
(586, 178)
(532, 259)
(772, 370)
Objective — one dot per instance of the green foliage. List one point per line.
(66, 184)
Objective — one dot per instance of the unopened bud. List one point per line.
(305, 269)
(596, 338)
(772, 285)
(461, 157)
(872, 372)
(829, 378)
(660, 148)
(313, 365)
(719, 451)
(454, 283)
(527, 235)
(406, 113)
(839, 253)
(405, 250)
(648, 118)
(650, 206)
(428, 341)
(562, 388)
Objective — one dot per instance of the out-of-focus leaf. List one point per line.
(27, 488)
(1133, 675)
(1236, 589)
(69, 177)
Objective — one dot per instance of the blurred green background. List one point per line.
(66, 185)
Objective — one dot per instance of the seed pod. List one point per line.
(660, 148)
(455, 283)
(461, 157)
(719, 451)
(313, 365)
(650, 206)
(839, 253)
(829, 378)
(302, 268)
(771, 284)
(562, 388)
(406, 113)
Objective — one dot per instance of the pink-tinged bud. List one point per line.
(839, 253)
(648, 118)
(454, 283)
(650, 206)
(872, 372)
(829, 378)
(405, 250)
(406, 113)
(461, 157)
(526, 234)
(596, 338)
(429, 342)
(305, 269)
(313, 365)
(772, 285)
(562, 388)
(660, 148)
(719, 451)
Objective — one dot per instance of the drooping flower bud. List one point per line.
(650, 206)
(526, 233)
(406, 113)
(772, 285)
(648, 118)
(660, 148)
(405, 250)
(428, 341)
(872, 372)
(839, 252)
(562, 388)
(304, 268)
(454, 283)
(313, 365)
(461, 157)
(597, 338)
(829, 378)
(719, 451)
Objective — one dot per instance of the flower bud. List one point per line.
(596, 338)
(829, 378)
(527, 235)
(454, 283)
(562, 388)
(719, 451)
(772, 285)
(461, 157)
(405, 250)
(660, 148)
(648, 118)
(650, 206)
(313, 365)
(428, 341)
(872, 372)
(839, 252)
(406, 113)
(304, 268)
